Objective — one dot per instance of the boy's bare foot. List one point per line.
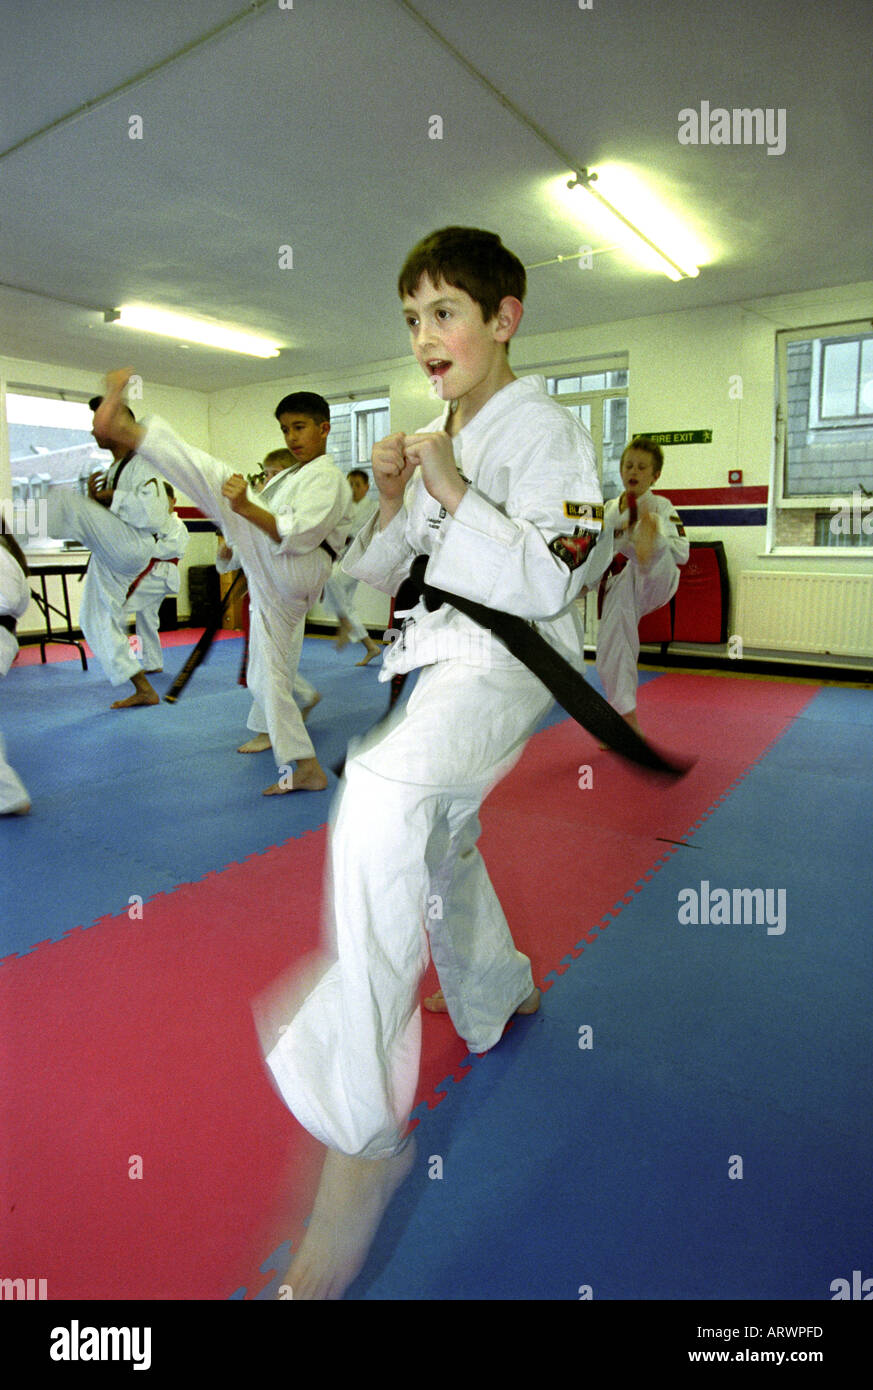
(137, 699)
(436, 1003)
(644, 538)
(307, 709)
(259, 744)
(343, 635)
(351, 1199)
(308, 776)
(18, 810)
(373, 649)
(143, 693)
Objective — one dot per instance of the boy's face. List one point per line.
(462, 355)
(359, 487)
(304, 437)
(638, 471)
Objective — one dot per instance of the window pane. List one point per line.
(50, 442)
(866, 393)
(828, 447)
(839, 379)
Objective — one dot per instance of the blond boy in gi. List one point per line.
(643, 576)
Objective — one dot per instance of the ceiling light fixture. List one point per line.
(666, 263)
(191, 330)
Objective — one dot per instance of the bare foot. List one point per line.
(644, 538)
(143, 693)
(308, 776)
(259, 744)
(343, 635)
(436, 1003)
(373, 649)
(307, 709)
(139, 698)
(18, 810)
(351, 1200)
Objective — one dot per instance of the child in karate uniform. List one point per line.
(501, 493)
(161, 581)
(339, 591)
(14, 598)
(643, 576)
(285, 537)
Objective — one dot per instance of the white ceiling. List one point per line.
(308, 126)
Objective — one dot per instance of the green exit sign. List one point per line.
(677, 436)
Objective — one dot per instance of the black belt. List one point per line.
(330, 550)
(7, 622)
(563, 681)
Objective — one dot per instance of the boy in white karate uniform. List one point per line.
(501, 493)
(286, 537)
(14, 598)
(339, 591)
(643, 576)
(275, 462)
(160, 582)
(119, 522)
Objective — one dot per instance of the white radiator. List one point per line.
(831, 614)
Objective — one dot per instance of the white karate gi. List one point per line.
(404, 869)
(339, 591)
(14, 598)
(311, 504)
(121, 539)
(162, 580)
(302, 690)
(635, 592)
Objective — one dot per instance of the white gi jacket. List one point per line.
(140, 498)
(14, 598)
(532, 478)
(671, 532)
(311, 504)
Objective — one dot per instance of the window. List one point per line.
(50, 445)
(371, 425)
(825, 412)
(599, 399)
(843, 370)
(355, 426)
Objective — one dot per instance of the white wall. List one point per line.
(683, 371)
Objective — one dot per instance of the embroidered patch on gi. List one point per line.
(573, 550)
(583, 511)
(678, 524)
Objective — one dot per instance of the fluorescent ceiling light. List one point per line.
(675, 262)
(190, 330)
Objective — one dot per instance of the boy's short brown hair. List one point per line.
(470, 260)
(648, 446)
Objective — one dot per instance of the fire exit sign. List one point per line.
(677, 436)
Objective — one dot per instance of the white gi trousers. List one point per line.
(119, 553)
(628, 597)
(275, 644)
(13, 793)
(145, 603)
(404, 872)
(339, 594)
